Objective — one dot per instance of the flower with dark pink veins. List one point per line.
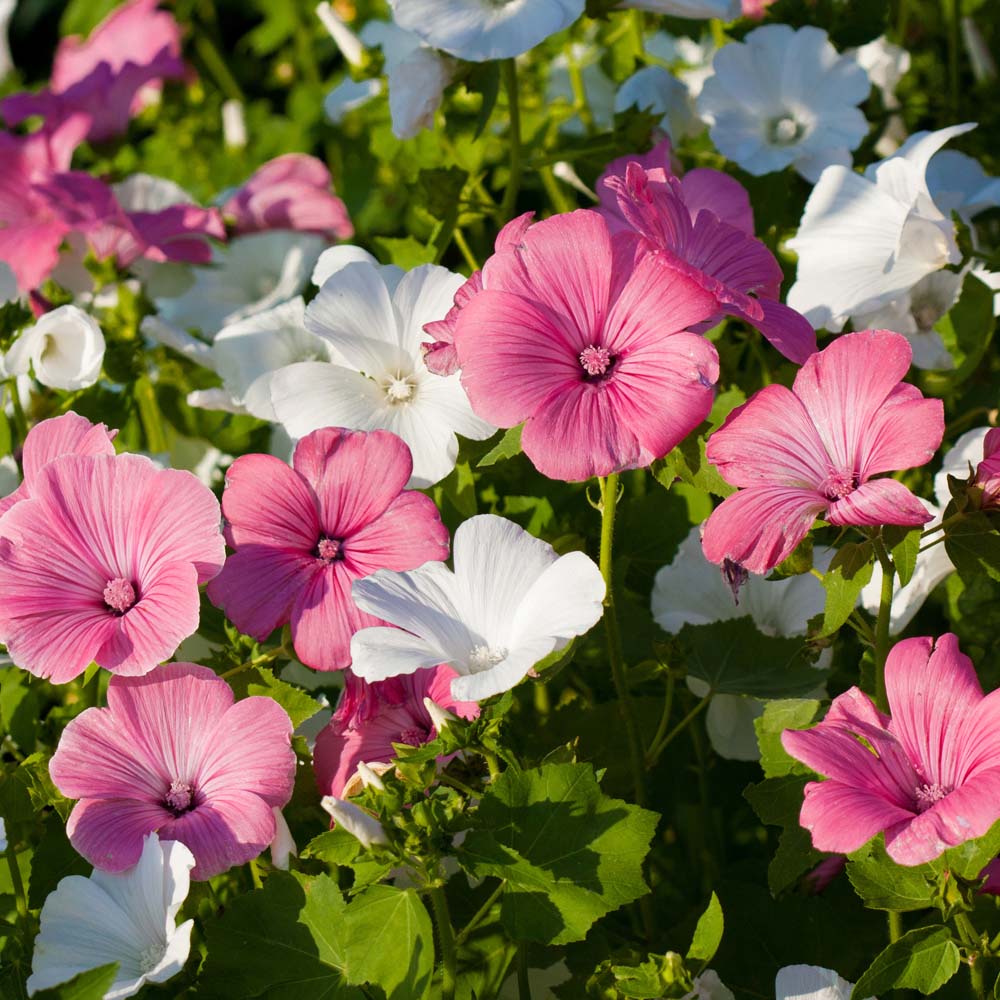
(303, 535)
(173, 753)
(587, 343)
(102, 562)
(371, 717)
(928, 774)
(814, 451)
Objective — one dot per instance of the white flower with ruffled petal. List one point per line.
(782, 98)
(65, 348)
(510, 602)
(810, 982)
(692, 591)
(481, 30)
(867, 239)
(125, 917)
(372, 318)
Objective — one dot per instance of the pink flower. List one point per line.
(175, 233)
(813, 450)
(588, 345)
(725, 259)
(290, 192)
(371, 717)
(69, 434)
(303, 535)
(102, 562)
(988, 471)
(929, 776)
(173, 754)
(112, 75)
(756, 8)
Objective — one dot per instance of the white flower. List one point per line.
(373, 319)
(147, 193)
(810, 982)
(355, 821)
(658, 91)
(725, 10)
(283, 844)
(10, 476)
(598, 89)
(866, 239)
(251, 274)
(349, 95)
(510, 602)
(692, 591)
(958, 183)
(65, 347)
(886, 64)
(708, 986)
(784, 97)
(6, 13)
(481, 30)
(126, 917)
(8, 283)
(3, 835)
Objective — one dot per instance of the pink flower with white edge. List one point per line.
(173, 753)
(303, 535)
(726, 260)
(588, 346)
(814, 450)
(371, 717)
(289, 192)
(102, 563)
(928, 774)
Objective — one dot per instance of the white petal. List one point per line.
(313, 394)
(416, 86)
(283, 844)
(348, 96)
(333, 259)
(378, 653)
(65, 347)
(501, 676)
(146, 193)
(424, 295)
(960, 461)
(810, 982)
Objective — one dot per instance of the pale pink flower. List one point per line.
(988, 470)
(102, 563)
(172, 753)
(303, 535)
(111, 75)
(290, 192)
(589, 347)
(371, 717)
(928, 775)
(725, 259)
(814, 449)
(69, 434)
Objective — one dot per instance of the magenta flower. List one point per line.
(371, 717)
(303, 535)
(988, 470)
(102, 563)
(289, 192)
(111, 75)
(814, 449)
(69, 434)
(929, 776)
(588, 346)
(725, 259)
(173, 754)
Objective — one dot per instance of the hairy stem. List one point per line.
(446, 938)
(882, 625)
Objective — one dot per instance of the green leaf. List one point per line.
(688, 463)
(969, 859)
(778, 801)
(789, 713)
(508, 447)
(484, 79)
(708, 933)
(389, 941)
(90, 985)
(53, 859)
(903, 547)
(460, 489)
(923, 959)
(967, 329)
(652, 978)
(733, 657)
(293, 700)
(335, 847)
(973, 544)
(569, 853)
(283, 942)
(884, 885)
(405, 252)
(850, 570)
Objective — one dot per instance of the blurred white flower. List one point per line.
(65, 347)
(658, 91)
(8, 283)
(3, 835)
(125, 917)
(6, 13)
(510, 602)
(958, 183)
(782, 98)
(598, 88)
(886, 64)
(810, 982)
(482, 30)
(725, 10)
(867, 239)
(708, 986)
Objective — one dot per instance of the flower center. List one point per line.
(179, 798)
(413, 737)
(399, 389)
(329, 549)
(150, 958)
(838, 485)
(927, 795)
(119, 595)
(785, 130)
(734, 576)
(926, 316)
(484, 657)
(595, 361)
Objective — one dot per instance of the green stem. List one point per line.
(460, 786)
(217, 67)
(492, 762)
(976, 978)
(668, 706)
(463, 244)
(639, 32)
(895, 926)
(508, 69)
(149, 415)
(559, 201)
(446, 938)
(609, 507)
(20, 897)
(950, 11)
(481, 913)
(259, 662)
(653, 754)
(20, 420)
(882, 625)
(523, 985)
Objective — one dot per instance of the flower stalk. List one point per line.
(882, 624)
(446, 939)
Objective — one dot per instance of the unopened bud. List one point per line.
(348, 42)
(355, 821)
(282, 846)
(565, 172)
(441, 717)
(369, 778)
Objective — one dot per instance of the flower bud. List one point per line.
(441, 717)
(355, 821)
(282, 846)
